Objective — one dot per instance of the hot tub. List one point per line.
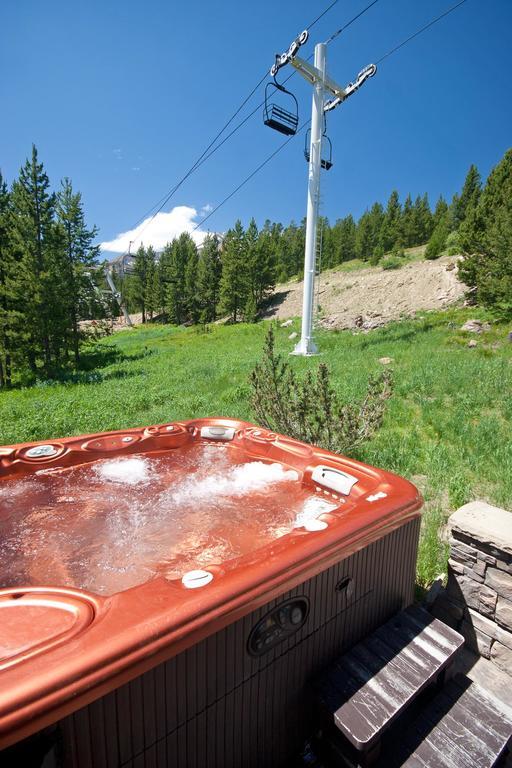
(167, 592)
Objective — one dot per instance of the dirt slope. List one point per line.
(371, 297)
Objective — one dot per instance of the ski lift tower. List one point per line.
(316, 76)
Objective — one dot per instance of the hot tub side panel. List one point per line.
(216, 705)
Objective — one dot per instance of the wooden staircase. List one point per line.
(389, 702)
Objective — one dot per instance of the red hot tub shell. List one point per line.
(62, 648)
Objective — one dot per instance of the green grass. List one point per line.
(447, 427)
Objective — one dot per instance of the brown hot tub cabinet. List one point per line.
(289, 555)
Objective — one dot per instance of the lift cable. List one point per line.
(206, 153)
(347, 25)
(304, 125)
(163, 201)
(261, 104)
(312, 23)
(427, 26)
(251, 175)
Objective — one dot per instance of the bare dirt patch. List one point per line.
(371, 297)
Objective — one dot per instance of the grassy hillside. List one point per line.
(447, 427)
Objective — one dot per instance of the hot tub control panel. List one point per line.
(278, 625)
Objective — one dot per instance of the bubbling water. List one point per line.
(112, 524)
(130, 471)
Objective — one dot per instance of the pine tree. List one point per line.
(291, 252)
(152, 289)
(441, 211)
(7, 294)
(140, 280)
(377, 218)
(407, 223)
(175, 258)
(234, 284)
(468, 199)
(364, 237)
(486, 239)
(261, 265)
(209, 272)
(344, 240)
(31, 228)
(192, 301)
(390, 232)
(79, 258)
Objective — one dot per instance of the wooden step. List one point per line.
(462, 727)
(365, 690)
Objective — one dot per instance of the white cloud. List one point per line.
(158, 231)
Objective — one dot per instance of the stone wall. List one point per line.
(478, 597)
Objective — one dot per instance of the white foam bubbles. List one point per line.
(236, 481)
(312, 509)
(128, 471)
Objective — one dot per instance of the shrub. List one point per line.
(391, 262)
(309, 409)
(437, 242)
(452, 245)
(376, 255)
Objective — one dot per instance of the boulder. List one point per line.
(476, 326)
(484, 523)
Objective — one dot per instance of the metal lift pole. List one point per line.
(306, 345)
(316, 76)
(116, 294)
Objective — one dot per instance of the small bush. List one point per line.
(376, 255)
(309, 409)
(452, 245)
(391, 262)
(437, 242)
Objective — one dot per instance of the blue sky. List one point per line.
(123, 96)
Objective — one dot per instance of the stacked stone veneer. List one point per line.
(478, 597)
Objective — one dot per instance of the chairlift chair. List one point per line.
(326, 161)
(278, 117)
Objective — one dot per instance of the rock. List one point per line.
(462, 553)
(504, 637)
(359, 321)
(293, 335)
(489, 525)
(502, 657)
(500, 581)
(478, 569)
(476, 326)
(473, 574)
(385, 360)
(486, 558)
(504, 613)
(488, 600)
(472, 343)
(286, 323)
(464, 590)
(481, 623)
(455, 566)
